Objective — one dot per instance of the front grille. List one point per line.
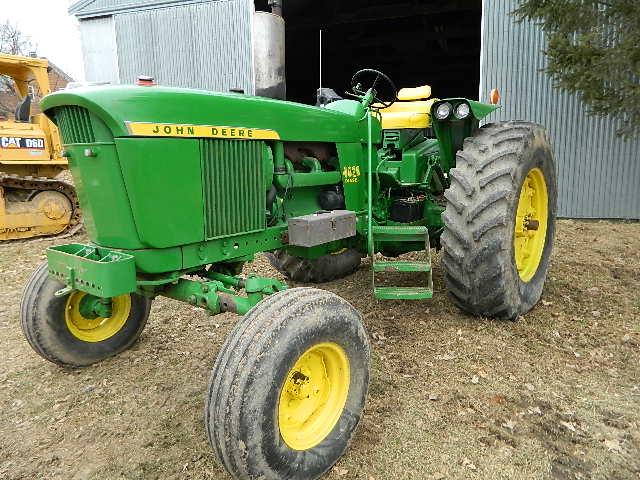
(74, 124)
(233, 185)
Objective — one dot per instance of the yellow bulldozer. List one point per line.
(33, 202)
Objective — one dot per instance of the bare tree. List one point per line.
(13, 42)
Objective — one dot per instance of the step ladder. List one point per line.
(394, 233)
(401, 233)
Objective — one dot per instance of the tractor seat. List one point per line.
(410, 111)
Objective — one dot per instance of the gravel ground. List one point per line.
(554, 395)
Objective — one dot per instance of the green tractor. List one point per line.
(179, 188)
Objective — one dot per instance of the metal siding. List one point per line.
(598, 172)
(204, 45)
(99, 50)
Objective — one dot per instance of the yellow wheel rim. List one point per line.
(100, 328)
(531, 224)
(313, 396)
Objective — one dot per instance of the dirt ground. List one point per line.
(554, 395)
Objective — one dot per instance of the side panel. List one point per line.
(103, 196)
(164, 183)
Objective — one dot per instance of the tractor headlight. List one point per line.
(462, 111)
(443, 111)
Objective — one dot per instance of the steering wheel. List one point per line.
(368, 78)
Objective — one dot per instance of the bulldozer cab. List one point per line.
(25, 136)
(25, 72)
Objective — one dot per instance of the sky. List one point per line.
(49, 26)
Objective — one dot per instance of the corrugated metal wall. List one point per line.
(598, 173)
(202, 45)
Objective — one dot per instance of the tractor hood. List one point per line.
(162, 111)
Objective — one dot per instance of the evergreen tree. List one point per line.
(594, 50)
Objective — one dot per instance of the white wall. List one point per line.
(99, 50)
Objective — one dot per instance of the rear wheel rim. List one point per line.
(100, 328)
(531, 224)
(313, 395)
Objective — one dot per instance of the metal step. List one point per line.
(401, 266)
(399, 233)
(402, 293)
(402, 233)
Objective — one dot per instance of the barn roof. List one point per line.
(98, 8)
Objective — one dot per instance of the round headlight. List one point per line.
(443, 111)
(462, 111)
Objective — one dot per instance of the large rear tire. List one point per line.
(326, 268)
(58, 331)
(500, 220)
(288, 387)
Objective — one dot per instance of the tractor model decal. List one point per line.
(22, 142)
(351, 174)
(146, 129)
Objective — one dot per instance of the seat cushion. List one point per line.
(416, 93)
(407, 114)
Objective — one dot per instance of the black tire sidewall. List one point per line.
(46, 312)
(537, 155)
(339, 324)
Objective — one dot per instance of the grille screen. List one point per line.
(233, 185)
(74, 124)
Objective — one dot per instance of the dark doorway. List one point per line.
(434, 42)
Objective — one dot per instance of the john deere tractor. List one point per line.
(180, 188)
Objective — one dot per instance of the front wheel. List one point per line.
(68, 331)
(499, 223)
(288, 387)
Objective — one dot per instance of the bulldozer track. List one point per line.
(41, 184)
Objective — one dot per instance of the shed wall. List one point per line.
(598, 172)
(204, 45)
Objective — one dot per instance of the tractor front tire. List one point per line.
(326, 268)
(58, 332)
(500, 220)
(288, 387)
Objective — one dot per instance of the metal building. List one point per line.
(456, 46)
(598, 172)
(183, 43)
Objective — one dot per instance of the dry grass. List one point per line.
(553, 395)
